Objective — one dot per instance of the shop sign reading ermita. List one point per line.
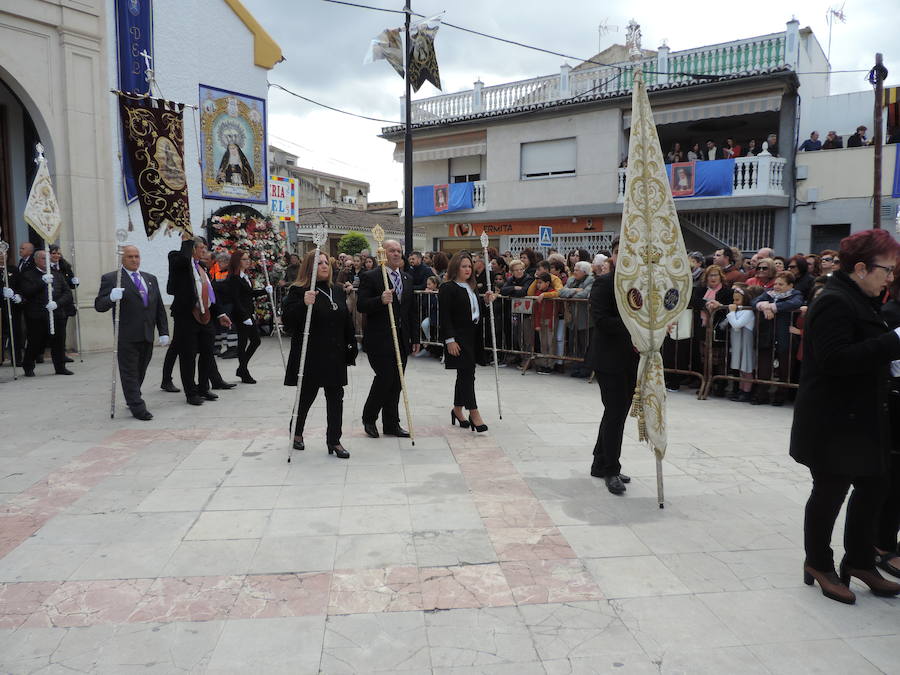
(559, 225)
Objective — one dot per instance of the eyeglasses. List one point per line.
(827, 259)
(887, 269)
(762, 269)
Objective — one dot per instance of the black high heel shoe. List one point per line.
(464, 424)
(338, 450)
(480, 428)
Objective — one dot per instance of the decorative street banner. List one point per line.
(154, 142)
(431, 200)
(387, 46)
(701, 179)
(423, 63)
(282, 198)
(233, 141)
(42, 209)
(134, 37)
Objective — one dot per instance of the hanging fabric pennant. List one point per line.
(42, 209)
(154, 142)
(423, 63)
(653, 278)
(389, 47)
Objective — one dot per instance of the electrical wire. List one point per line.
(332, 108)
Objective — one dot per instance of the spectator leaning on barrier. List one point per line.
(858, 139)
(600, 264)
(765, 273)
(812, 143)
(775, 307)
(832, 141)
(741, 319)
(544, 294)
(577, 315)
(803, 280)
(529, 259)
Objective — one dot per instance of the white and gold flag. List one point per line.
(42, 209)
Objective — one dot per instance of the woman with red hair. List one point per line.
(847, 355)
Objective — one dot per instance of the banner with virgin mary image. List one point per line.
(233, 146)
(154, 141)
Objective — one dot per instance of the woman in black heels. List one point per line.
(241, 292)
(331, 348)
(462, 312)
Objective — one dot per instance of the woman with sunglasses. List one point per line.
(765, 274)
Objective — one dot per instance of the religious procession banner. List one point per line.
(423, 63)
(233, 146)
(653, 278)
(42, 209)
(154, 142)
(388, 46)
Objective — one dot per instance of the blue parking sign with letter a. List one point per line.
(545, 235)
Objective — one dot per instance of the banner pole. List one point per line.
(487, 274)
(4, 247)
(77, 313)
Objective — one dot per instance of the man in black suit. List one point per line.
(614, 361)
(37, 306)
(141, 310)
(193, 309)
(373, 300)
(26, 256)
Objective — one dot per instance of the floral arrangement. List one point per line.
(263, 240)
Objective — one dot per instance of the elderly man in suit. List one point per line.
(373, 300)
(141, 310)
(38, 307)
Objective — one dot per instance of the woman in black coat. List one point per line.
(887, 548)
(332, 347)
(243, 311)
(462, 313)
(841, 428)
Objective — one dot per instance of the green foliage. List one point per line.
(352, 243)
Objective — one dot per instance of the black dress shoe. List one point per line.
(398, 431)
(64, 371)
(29, 373)
(624, 478)
(298, 444)
(195, 399)
(69, 359)
(370, 430)
(170, 387)
(247, 379)
(599, 474)
(223, 385)
(615, 485)
(338, 450)
(209, 396)
(142, 414)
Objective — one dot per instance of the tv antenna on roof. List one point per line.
(832, 14)
(603, 29)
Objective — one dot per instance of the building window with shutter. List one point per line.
(547, 159)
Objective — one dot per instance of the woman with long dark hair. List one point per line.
(332, 347)
(243, 311)
(462, 313)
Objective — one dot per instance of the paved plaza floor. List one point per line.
(189, 545)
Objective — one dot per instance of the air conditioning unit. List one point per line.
(812, 195)
(889, 209)
(801, 172)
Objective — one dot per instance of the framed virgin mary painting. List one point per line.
(233, 146)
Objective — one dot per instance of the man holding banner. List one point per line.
(37, 309)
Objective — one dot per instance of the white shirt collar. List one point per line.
(129, 272)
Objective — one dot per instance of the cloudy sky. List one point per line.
(324, 45)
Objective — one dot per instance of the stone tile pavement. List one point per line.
(189, 544)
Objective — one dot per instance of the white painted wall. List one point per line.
(841, 113)
(188, 45)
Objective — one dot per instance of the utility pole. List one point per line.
(407, 145)
(877, 76)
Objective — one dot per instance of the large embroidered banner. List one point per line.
(154, 141)
(42, 209)
(233, 146)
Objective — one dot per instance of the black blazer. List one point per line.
(332, 338)
(181, 283)
(377, 338)
(456, 322)
(241, 295)
(610, 350)
(33, 290)
(841, 417)
(136, 323)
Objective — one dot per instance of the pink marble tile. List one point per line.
(501, 514)
(89, 603)
(530, 543)
(282, 595)
(548, 581)
(14, 529)
(470, 440)
(464, 586)
(20, 600)
(391, 589)
(488, 468)
(497, 489)
(481, 453)
(188, 599)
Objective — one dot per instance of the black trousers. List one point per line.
(12, 332)
(195, 354)
(334, 410)
(384, 395)
(889, 518)
(248, 342)
(616, 390)
(464, 391)
(169, 361)
(133, 358)
(825, 500)
(39, 338)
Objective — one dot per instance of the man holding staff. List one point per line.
(141, 310)
(38, 310)
(373, 301)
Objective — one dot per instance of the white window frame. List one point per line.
(553, 172)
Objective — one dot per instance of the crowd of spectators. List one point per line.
(699, 151)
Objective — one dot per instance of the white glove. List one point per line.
(163, 340)
(248, 322)
(269, 289)
(8, 293)
(17, 298)
(75, 281)
(116, 293)
(51, 305)
(47, 278)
